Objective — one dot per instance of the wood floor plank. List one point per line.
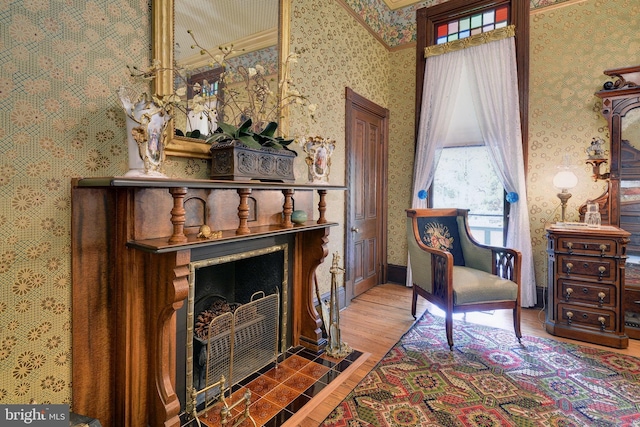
(376, 320)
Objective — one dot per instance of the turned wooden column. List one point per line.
(178, 215)
(243, 211)
(322, 206)
(287, 208)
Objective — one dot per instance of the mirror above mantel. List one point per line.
(219, 23)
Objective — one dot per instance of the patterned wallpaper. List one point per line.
(61, 63)
(564, 115)
(338, 54)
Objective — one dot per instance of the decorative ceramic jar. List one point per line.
(319, 151)
(146, 125)
(299, 217)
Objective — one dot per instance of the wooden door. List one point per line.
(366, 240)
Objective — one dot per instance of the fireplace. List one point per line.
(234, 321)
(135, 250)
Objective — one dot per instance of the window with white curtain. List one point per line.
(464, 177)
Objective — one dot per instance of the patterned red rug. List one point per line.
(632, 274)
(491, 380)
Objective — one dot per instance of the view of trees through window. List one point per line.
(465, 179)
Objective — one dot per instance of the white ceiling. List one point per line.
(220, 22)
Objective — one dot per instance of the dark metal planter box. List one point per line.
(237, 162)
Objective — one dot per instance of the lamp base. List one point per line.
(563, 196)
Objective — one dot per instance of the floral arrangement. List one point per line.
(246, 110)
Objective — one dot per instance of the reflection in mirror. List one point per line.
(630, 125)
(215, 90)
(258, 28)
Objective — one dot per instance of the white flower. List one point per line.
(312, 108)
(260, 68)
(252, 72)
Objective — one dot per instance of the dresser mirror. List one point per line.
(621, 108)
(249, 25)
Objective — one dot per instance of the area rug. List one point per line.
(632, 274)
(489, 379)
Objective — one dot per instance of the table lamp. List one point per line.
(564, 180)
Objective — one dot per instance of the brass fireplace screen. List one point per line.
(231, 340)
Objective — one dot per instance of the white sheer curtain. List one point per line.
(494, 89)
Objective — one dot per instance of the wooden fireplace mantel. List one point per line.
(132, 242)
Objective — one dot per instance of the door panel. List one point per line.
(366, 241)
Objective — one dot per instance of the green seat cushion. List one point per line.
(472, 286)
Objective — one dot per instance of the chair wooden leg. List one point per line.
(448, 325)
(516, 322)
(414, 302)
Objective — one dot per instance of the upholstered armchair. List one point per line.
(457, 274)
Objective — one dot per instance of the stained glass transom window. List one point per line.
(471, 25)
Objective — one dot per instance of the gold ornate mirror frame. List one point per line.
(162, 29)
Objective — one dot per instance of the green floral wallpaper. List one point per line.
(338, 54)
(61, 62)
(570, 48)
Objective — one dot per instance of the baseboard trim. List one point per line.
(397, 274)
(342, 299)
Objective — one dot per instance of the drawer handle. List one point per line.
(602, 321)
(603, 248)
(569, 267)
(570, 247)
(601, 271)
(569, 316)
(569, 291)
(601, 296)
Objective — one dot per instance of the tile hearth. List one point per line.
(277, 393)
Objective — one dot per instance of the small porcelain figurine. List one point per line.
(596, 149)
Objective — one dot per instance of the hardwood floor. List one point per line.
(377, 319)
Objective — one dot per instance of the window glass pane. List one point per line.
(502, 14)
(465, 23)
(488, 17)
(471, 25)
(476, 21)
(465, 179)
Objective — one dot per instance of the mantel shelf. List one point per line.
(161, 245)
(122, 181)
(178, 188)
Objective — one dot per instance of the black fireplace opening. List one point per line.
(226, 284)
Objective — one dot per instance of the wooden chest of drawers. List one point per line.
(586, 284)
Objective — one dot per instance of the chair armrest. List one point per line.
(506, 263)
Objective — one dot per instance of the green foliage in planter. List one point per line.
(226, 133)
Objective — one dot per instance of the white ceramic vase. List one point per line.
(319, 151)
(146, 125)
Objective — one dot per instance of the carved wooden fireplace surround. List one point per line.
(132, 242)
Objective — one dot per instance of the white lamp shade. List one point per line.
(565, 179)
